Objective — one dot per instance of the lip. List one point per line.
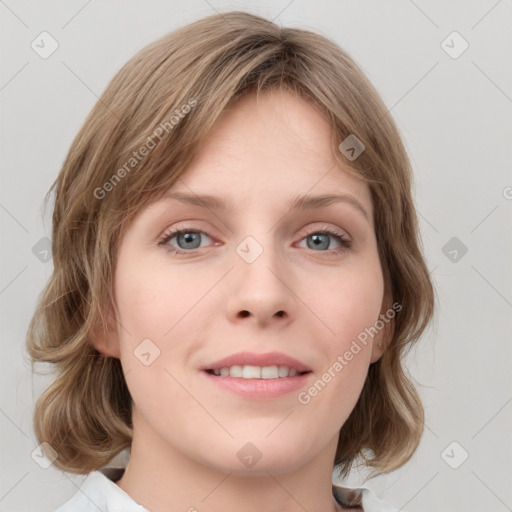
(259, 389)
(254, 359)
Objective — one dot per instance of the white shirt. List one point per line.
(99, 492)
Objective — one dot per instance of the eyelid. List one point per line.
(344, 239)
(170, 233)
(305, 231)
(184, 226)
(322, 226)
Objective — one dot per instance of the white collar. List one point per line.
(100, 492)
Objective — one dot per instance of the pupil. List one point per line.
(318, 242)
(191, 240)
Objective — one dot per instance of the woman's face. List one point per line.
(256, 278)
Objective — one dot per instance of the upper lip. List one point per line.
(254, 359)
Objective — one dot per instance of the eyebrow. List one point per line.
(304, 202)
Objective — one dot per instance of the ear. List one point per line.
(378, 347)
(107, 343)
(382, 339)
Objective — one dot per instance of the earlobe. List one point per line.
(107, 343)
(378, 348)
(383, 337)
(381, 340)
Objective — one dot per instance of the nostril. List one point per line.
(280, 313)
(244, 313)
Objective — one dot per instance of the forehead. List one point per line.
(276, 147)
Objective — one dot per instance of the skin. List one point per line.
(187, 432)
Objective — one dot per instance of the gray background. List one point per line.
(454, 114)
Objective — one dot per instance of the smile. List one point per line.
(256, 372)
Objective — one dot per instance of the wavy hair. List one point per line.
(85, 414)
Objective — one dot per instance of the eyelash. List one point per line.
(344, 242)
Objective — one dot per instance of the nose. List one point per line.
(261, 291)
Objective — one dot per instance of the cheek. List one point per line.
(152, 300)
(350, 303)
(349, 307)
(155, 304)
(163, 305)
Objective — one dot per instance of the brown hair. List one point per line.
(85, 414)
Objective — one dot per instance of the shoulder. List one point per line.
(361, 498)
(99, 492)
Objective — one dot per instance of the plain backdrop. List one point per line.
(453, 107)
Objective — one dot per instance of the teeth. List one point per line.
(251, 372)
(256, 372)
(234, 371)
(283, 371)
(269, 372)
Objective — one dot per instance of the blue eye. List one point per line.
(186, 241)
(320, 241)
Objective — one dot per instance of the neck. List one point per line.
(161, 478)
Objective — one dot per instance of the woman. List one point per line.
(237, 275)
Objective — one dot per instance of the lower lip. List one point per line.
(259, 389)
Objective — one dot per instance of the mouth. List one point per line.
(250, 365)
(256, 372)
(255, 376)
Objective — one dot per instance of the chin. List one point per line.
(260, 457)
